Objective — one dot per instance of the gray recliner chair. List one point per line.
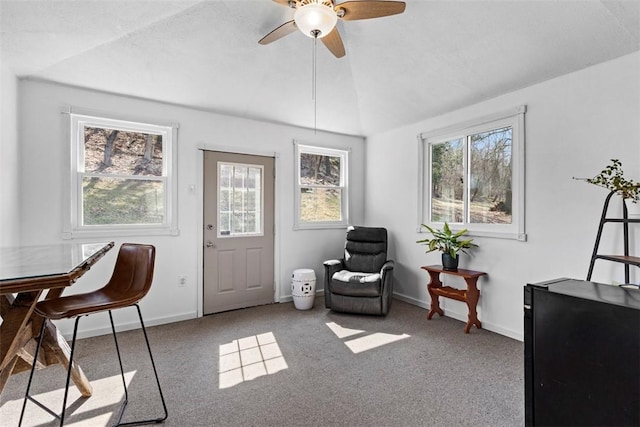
(362, 281)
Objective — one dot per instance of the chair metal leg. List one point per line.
(33, 368)
(69, 368)
(155, 372)
(124, 383)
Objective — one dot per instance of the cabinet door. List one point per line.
(586, 362)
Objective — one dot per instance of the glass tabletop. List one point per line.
(46, 260)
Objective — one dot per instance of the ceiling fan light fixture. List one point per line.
(315, 18)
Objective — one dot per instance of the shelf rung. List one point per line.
(631, 260)
(628, 220)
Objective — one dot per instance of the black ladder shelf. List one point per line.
(625, 259)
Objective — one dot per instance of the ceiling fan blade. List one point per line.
(354, 10)
(333, 42)
(283, 30)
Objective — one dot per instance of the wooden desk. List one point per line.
(25, 273)
(469, 296)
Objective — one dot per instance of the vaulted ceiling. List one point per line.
(436, 57)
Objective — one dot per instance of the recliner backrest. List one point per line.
(365, 249)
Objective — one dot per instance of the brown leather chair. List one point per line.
(129, 283)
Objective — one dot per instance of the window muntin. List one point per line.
(473, 176)
(240, 200)
(321, 187)
(121, 178)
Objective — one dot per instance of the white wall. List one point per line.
(574, 125)
(9, 155)
(44, 183)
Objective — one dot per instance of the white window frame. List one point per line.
(77, 121)
(513, 118)
(301, 148)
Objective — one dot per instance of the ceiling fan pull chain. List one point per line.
(313, 71)
(313, 84)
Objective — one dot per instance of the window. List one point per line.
(321, 187)
(240, 199)
(121, 180)
(473, 176)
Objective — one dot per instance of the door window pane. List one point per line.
(239, 199)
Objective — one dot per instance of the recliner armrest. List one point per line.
(333, 262)
(388, 265)
(330, 267)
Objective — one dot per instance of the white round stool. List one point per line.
(303, 288)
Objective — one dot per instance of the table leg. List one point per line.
(5, 372)
(18, 341)
(55, 343)
(15, 331)
(435, 303)
(473, 295)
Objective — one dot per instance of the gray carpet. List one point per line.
(399, 370)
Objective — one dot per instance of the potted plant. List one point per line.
(449, 243)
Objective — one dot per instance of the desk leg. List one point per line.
(18, 341)
(55, 344)
(435, 303)
(473, 295)
(14, 331)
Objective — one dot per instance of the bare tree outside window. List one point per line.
(488, 170)
(447, 177)
(490, 191)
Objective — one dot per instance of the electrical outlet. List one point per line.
(182, 281)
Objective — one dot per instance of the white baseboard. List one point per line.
(289, 298)
(516, 335)
(87, 333)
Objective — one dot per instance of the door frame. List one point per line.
(199, 217)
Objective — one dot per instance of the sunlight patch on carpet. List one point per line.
(343, 332)
(364, 343)
(94, 411)
(377, 339)
(248, 358)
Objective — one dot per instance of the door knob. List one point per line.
(209, 226)
(210, 244)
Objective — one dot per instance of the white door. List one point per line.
(238, 231)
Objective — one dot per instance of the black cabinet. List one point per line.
(582, 354)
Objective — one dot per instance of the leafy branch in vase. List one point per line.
(612, 179)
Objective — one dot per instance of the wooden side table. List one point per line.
(469, 296)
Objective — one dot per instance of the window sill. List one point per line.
(320, 226)
(120, 232)
(522, 237)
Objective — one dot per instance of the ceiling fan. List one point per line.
(318, 18)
